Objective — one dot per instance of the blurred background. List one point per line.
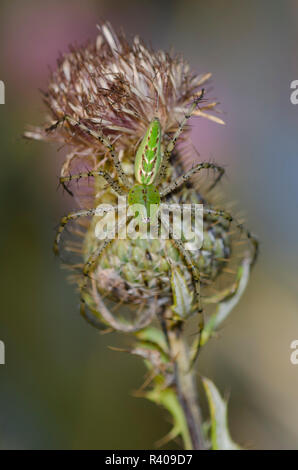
(61, 386)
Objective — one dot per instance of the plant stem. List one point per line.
(186, 386)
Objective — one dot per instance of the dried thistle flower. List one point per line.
(118, 87)
(110, 91)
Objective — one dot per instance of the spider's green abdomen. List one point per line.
(148, 157)
(146, 195)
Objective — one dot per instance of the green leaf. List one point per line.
(151, 341)
(153, 336)
(220, 436)
(167, 398)
(227, 300)
(183, 297)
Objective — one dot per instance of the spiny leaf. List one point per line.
(183, 297)
(227, 300)
(220, 436)
(168, 399)
(153, 336)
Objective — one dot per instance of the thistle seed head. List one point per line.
(118, 87)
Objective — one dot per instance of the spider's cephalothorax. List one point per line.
(150, 168)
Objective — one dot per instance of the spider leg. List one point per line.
(68, 218)
(182, 179)
(190, 265)
(111, 181)
(196, 281)
(91, 262)
(171, 145)
(232, 289)
(242, 229)
(88, 268)
(105, 141)
(219, 213)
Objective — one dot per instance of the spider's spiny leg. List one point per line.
(196, 281)
(91, 263)
(88, 266)
(227, 216)
(54, 126)
(184, 178)
(111, 181)
(189, 263)
(171, 145)
(221, 172)
(88, 269)
(105, 141)
(67, 218)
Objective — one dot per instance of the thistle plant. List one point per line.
(122, 111)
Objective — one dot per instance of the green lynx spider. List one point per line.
(150, 170)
